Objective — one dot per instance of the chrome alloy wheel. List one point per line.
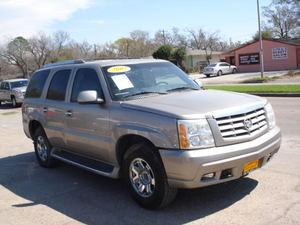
(142, 177)
(41, 148)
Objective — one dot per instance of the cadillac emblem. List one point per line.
(248, 124)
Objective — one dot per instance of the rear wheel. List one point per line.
(42, 148)
(146, 177)
(219, 73)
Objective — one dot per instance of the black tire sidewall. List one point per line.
(14, 102)
(49, 161)
(150, 156)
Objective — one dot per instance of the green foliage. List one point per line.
(163, 52)
(266, 34)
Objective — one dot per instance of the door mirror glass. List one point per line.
(89, 97)
(199, 83)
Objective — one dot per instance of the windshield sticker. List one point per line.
(122, 81)
(118, 69)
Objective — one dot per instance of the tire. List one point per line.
(42, 148)
(233, 71)
(219, 73)
(149, 172)
(14, 102)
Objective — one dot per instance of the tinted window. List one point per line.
(17, 84)
(36, 84)
(58, 85)
(85, 79)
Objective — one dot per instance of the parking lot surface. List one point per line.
(30, 194)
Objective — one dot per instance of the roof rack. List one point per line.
(66, 62)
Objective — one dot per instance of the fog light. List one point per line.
(208, 176)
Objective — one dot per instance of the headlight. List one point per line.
(19, 93)
(270, 116)
(195, 134)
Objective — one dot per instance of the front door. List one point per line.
(87, 126)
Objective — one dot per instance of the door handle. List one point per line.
(69, 113)
(45, 109)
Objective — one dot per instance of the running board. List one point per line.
(92, 165)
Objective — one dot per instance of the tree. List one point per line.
(283, 18)
(202, 40)
(16, 53)
(123, 46)
(40, 48)
(178, 55)
(266, 34)
(163, 52)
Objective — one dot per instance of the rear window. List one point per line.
(212, 65)
(58, 85)
(36, 84)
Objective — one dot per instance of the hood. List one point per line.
(197, 104)
(21, 89)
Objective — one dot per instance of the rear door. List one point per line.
(55, 107)
(87, 125)
(5, 91)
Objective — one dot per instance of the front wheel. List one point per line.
(146, 177)
(14, 102)
(234, 71)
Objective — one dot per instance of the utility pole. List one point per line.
(261, 52)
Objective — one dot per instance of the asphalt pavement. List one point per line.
(30, 194)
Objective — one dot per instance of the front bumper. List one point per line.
(186, 168)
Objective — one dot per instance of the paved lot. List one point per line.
(239, 77)
(67, 195)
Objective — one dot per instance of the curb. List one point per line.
(275, 94)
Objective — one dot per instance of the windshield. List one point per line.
(17, 84)
(145, 78)
(212, 65)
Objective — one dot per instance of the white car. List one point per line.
(219, 69)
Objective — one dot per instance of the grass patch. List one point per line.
(289, 88)
(259, 80)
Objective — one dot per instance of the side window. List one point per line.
(36, 84)
(58, 86)
(85, 79)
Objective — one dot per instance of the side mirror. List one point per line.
(89, 97)
(199, 83)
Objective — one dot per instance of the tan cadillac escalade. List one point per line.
(145, 120)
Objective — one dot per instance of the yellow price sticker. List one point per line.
(118, 69)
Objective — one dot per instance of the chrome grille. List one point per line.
(235, 126)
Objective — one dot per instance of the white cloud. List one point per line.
(26, 17)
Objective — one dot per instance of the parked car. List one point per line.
(218, 69)
(147, 121)
(13, 91)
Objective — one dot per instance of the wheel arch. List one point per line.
(33, 125)
(127, 140)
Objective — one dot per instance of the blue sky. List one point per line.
(107, 20)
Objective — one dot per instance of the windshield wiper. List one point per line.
(143, 93)
(182, 88)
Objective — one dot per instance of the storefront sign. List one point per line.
(279, 53)
(246, 59)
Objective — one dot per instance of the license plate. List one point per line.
(251, 166)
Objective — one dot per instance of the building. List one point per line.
(196, 59)
(278, 55)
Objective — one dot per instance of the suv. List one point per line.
(13, 91)
(145, 120)
(219, 69)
